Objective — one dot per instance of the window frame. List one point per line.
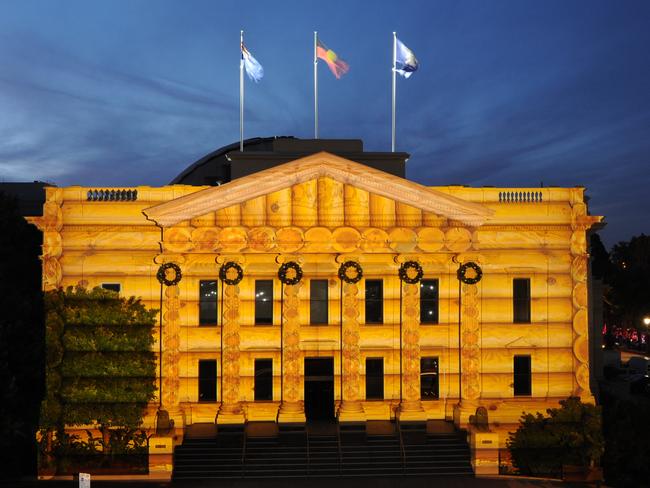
(521, 301)
(381, 377)
(435, 300)
(259, 320)
(437, 375)
(269, 378)
(313, 301)
(378, 301)
(216, 304)
(105, 286)
(528, 391)
(202, 380)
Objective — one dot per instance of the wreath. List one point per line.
(282, 273)
(350, 265)
(404, 272)
(470, 280)
(223, 273)
(161, 275)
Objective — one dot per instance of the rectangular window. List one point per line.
(522, 376)
(374, 302)
(208, 302)
(429, 386)
(318, 302)
(521, 300)
(263, 379)
(374, 379)
(263, 302)
(429, 302)
(207, 380)
(116, 287)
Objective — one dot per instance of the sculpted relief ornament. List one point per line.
(291, 410)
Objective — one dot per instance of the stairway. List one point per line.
(295, 454)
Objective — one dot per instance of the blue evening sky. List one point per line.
(509, 93)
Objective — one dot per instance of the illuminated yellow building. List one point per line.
(375, 345)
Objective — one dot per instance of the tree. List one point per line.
(100, 363)
(571, 434)
(21, 339)
(630, 281)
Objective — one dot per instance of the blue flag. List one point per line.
(253, 68)
(405, 61)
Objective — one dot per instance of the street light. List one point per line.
(646, 321)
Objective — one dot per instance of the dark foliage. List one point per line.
(569, 435)
(21, 340)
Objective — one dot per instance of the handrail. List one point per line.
(308, 458)
(243, 451)
(338, 440)
(402, 449)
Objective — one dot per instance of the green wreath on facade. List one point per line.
(282, 273)
(404, 272)
(161, 275)
(348, 265)
(223, 273)
(462, 273)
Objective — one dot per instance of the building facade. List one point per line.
(324, 288)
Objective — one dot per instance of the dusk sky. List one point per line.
(509, 93)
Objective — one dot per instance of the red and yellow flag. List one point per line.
(337, 66)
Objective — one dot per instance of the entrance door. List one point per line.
(319, 388)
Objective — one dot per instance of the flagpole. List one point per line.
(241, 91)
(315, 85)
(394, 91)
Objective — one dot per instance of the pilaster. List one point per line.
(351, 409)
(230, 411)
(291, 409)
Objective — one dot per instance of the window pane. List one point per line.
(521, 300)
(374, 302)
(208, 302)
(374, 378)
(429, 378)
(207, 380)
(522, 375)
(429, 302)
(318, 302)
(263, 302)
(263, 379)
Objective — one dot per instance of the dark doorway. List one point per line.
(319, 388)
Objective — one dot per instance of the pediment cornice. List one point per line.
(312, 167)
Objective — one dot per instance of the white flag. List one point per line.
(253, 68)
(405, 61)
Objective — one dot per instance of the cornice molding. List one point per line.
(312, 167)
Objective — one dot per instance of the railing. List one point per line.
(308, 458)
(402, 449)
(243, 451)
(520, 196)
(112, 195)
(338, 440)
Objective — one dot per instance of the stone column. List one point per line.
(470, 350)
(230, 411)
(291, 409)
(411, 407)
(351, 409)
(170, 339)
(579, 273)
(51, 224)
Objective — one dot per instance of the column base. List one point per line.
(411, 411)
(230, 414)
(462, 412)
(291, 413)
(351, 411)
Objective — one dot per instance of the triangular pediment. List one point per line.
(319, 185)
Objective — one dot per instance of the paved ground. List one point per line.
(309, 483)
